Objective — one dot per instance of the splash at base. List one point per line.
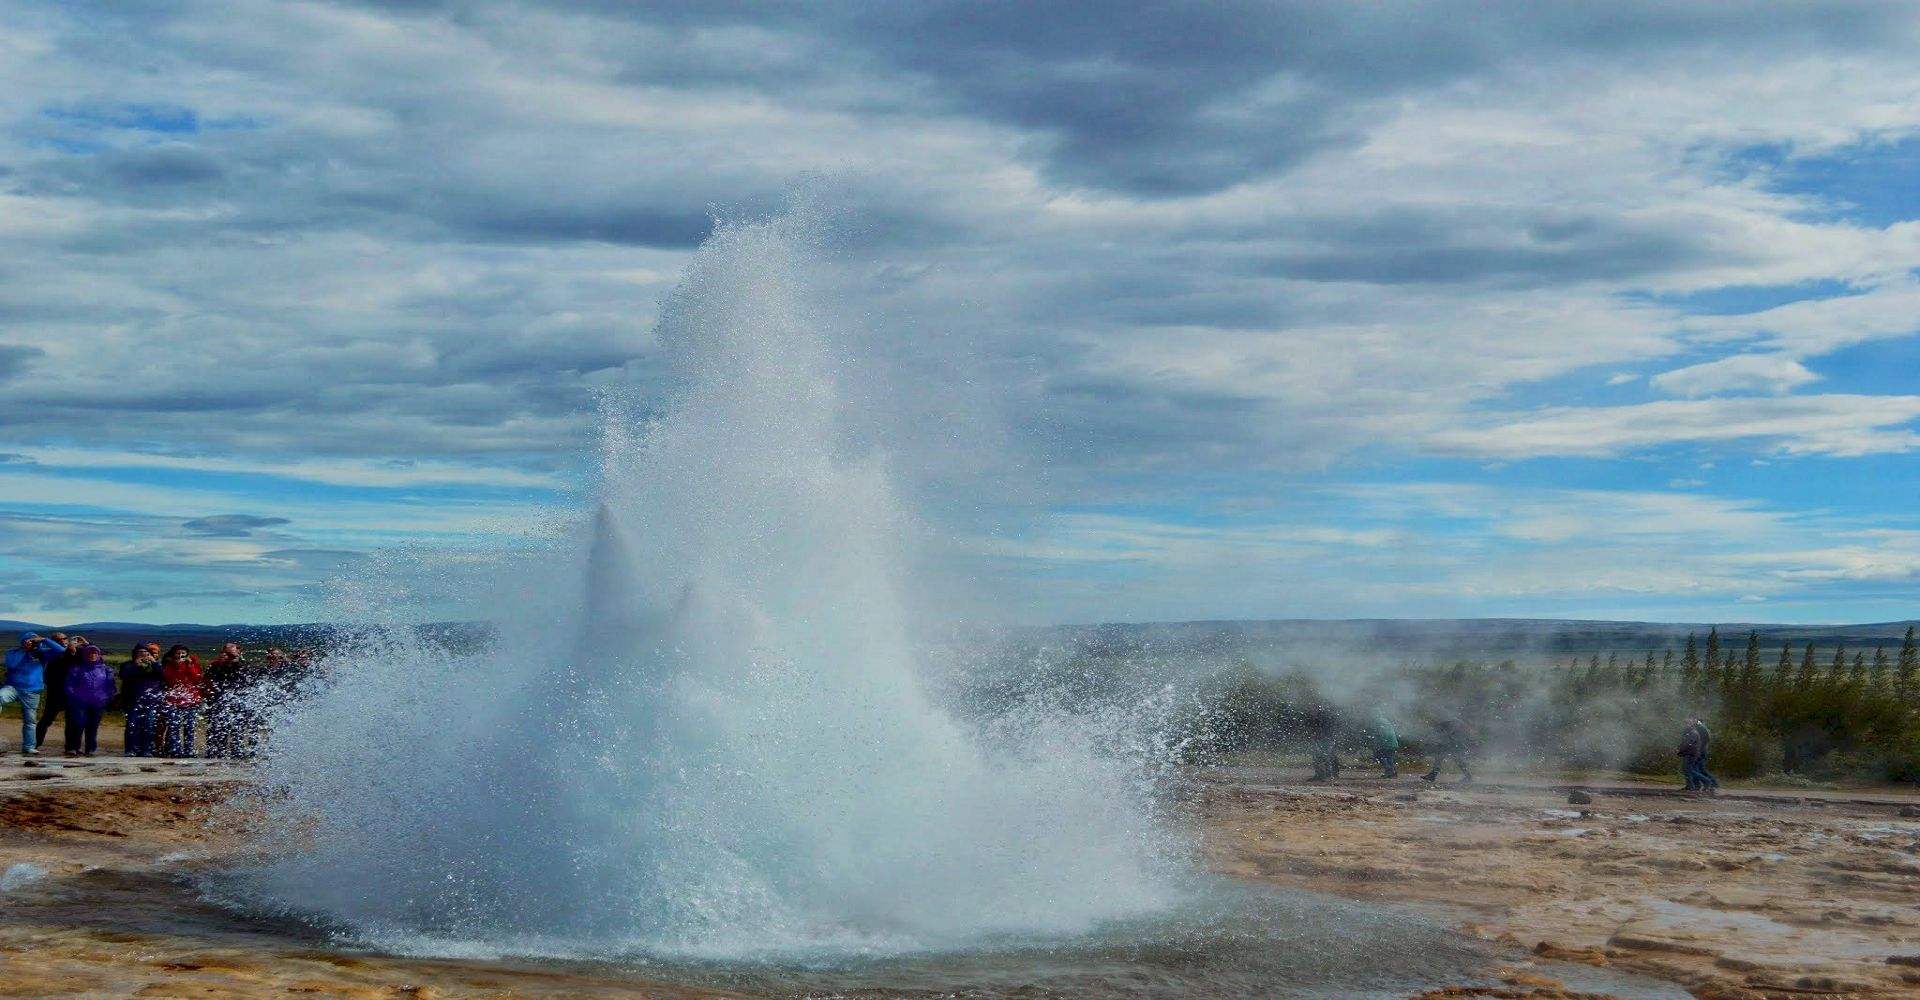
(701, 732)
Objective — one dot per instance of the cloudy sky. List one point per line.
(1569, 310)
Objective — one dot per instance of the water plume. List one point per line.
(700, 729)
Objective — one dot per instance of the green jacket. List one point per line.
(1385, 738)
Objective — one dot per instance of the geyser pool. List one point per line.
(700, 731)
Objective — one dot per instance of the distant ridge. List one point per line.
(1523, 639)
(1425, 638)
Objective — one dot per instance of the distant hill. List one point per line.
(116, 636)
(120, 636)
(1522, 639)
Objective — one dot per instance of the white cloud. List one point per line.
(332, 472)
(1440, 549)
(411, 256)
(1835, 425)
(1769, 373)
(1820, 326)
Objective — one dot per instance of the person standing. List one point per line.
(54, 702)
(26, 680)
(89, 684)
(1455, 742)
(226, 689)
(1386, 745)
(1323, 726)
(141, 684)
(1694, 741)
(181, 700)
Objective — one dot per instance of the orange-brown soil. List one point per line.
(1794, 897)
(92, 905)
(1765, 896)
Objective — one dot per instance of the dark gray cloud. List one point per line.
(1161, 238)
(1181, 98)
(314, 560)
(611, 224)
(231, 525)
(16, 359)
(1534, 248)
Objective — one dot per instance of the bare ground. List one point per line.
(1784, 895)
(91, 904)
(1776, 895)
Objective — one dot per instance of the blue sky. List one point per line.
(1246, 310)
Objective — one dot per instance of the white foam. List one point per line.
(702, 730)
(20, 875)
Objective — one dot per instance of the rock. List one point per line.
(1553, 987)
(1562, 953)
(1642, 942)
(1911, 812)
(151, 770)
(1579, 798)
(41, 777)
(1913, 960)
(1832, 984)
(31, 763)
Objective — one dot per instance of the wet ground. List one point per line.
(99, 861)
(1754, 894)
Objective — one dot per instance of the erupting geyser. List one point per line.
(700, 730)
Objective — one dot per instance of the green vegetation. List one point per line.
(1792, 710)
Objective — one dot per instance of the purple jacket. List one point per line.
(90, 685)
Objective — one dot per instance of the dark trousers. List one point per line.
(233, 727)
(83, 728)
(1389, 762)
(220, 726)
(1326, 762)
(179, 720)
(143, 724)
(1459, 757)
(1698, 780)
(50, 706)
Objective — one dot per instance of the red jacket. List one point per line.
(186, 683)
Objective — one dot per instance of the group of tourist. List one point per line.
(1455, 742)
(165, 695)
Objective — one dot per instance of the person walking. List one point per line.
(141, 684)
(1455, 742)
(89, 691)
(1694, 740)
(54, 702)
(1322, 726)
(1386, 745)
(181, 700)
(25, 682)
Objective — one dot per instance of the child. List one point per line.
(89, 690)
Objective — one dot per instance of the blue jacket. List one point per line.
(27, 669)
